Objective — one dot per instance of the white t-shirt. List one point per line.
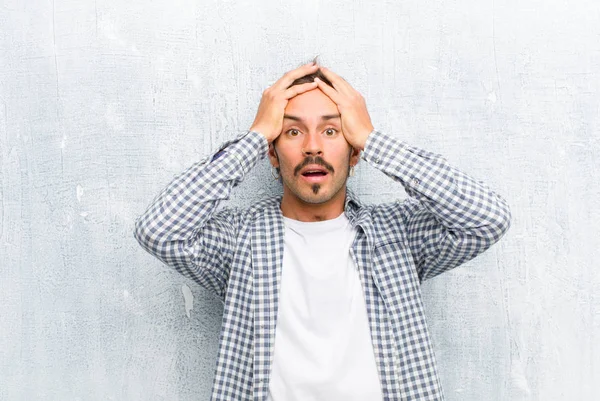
(323, 348)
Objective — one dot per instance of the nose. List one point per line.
(312, 145)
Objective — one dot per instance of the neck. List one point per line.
(295, 208)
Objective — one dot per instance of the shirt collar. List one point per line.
(351, 205)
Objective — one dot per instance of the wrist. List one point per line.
(363, 139)
(261, 131)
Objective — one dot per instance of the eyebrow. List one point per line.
(324, 117)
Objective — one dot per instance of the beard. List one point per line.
(316, 193)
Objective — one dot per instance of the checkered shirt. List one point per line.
(447, 219)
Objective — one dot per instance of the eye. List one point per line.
(330, 131)
(293, 132)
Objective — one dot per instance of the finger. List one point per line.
(298, 89)
(289, 77)
(329, 91)
(338, 82)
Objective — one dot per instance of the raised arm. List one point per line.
(449, 218)
(181, 226)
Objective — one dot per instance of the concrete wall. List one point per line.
(103, 102)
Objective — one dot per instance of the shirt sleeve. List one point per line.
(181, 226)
(449, 217)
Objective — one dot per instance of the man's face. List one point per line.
(311, 152)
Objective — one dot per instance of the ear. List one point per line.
(354, 156)
(273, 158)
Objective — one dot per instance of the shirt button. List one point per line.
(415, 181)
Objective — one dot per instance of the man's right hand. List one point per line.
(269, 117)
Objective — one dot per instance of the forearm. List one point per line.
(458, 201)
(187, 202)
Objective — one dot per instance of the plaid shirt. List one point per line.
(448, 219)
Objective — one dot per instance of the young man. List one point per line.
(321, 293)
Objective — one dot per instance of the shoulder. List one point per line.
(398, 209)
(255, 211)
(260, 208)
(391, 220)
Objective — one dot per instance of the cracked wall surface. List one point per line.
(103, 102)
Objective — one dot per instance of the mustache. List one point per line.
(313, 160)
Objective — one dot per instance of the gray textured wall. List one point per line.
(103, 102)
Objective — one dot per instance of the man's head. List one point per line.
(311, 153)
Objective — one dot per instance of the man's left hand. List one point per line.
(356, 122)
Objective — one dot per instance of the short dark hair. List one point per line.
(311, 77)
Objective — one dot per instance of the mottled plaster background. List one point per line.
(103, 102)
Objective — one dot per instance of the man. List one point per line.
(321, 293)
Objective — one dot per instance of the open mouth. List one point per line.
(314, 174)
